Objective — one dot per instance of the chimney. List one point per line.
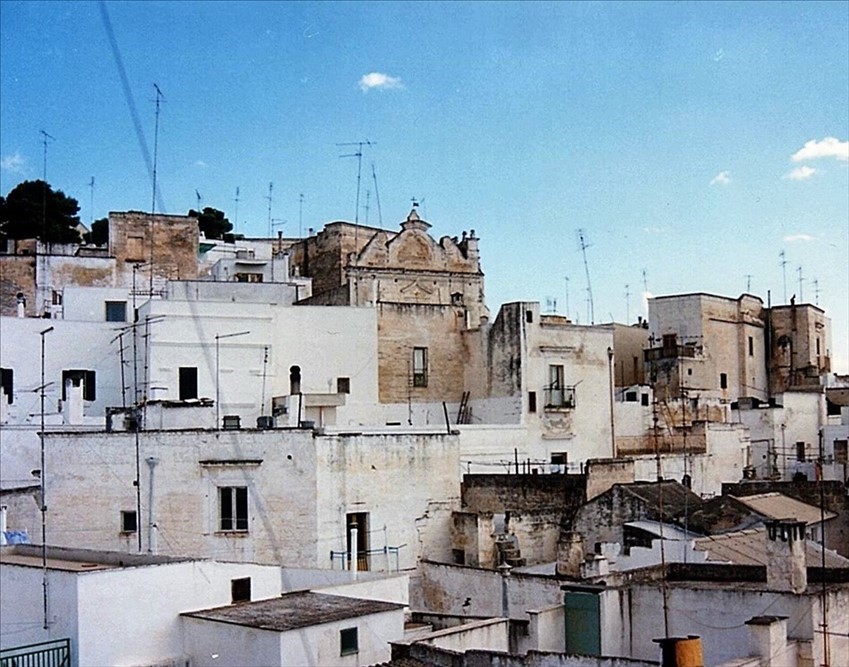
(786, 569)
(22, 304)
(72, 406)
(768, 640)
(570, 555)
(595, 565)
(681, 651)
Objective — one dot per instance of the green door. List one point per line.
(583, 626)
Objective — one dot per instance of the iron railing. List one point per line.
(55, 653)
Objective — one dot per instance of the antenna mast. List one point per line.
(646, 293)
(784, 272)
(748, 283)
(377, 196)
(44, 138)
(159, 98)
(359, 156)
(816, 291)
(268, 197)
(801, 280)
(236, 217)
(566, 278)
(584, 246)
(627, 303)
(91, 202)
(301, 216)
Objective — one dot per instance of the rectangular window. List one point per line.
(135, 249)
(248, 277)
(232, 508)
(557, 394)
(348, 641)
(116, 311)
(129, 522)
(529, 316)
(88, 381)
(644, 400)
(240, 590)
(800, 451)
(7, 380)
(532, 401)
(57, 298)
(841, 451)
(630, 396)
(420, 367)
(751, 346)
(188, 383)
(723, 381)
(343, 385)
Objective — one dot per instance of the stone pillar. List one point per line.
(570, 554)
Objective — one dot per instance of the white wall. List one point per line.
(210, 644)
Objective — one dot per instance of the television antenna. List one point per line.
(584, 245)
(236, 217)
(91, 202)
(377, 196)
(359, 155)
(627, 303)
(783, 263)
(301, 215)
(269, 198)
(44, 138)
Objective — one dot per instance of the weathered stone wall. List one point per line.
(17, 274)
(175, 245)
(500, 493)
(402, 327)
(800, 347)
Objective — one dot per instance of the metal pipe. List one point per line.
(42, 478)
(151, 526)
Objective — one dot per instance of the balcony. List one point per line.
(559, 398)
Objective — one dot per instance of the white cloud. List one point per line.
(802, 173)
(722, 178)
(828, 147)
(792, 238)
(654, 230)
(719, 55)
(379, 81)
(13, 163)
(201, 164)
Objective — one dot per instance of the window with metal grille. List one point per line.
(420, 367)
(232, 508)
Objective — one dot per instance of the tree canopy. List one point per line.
(211, 222)
(33, 209)
(99, 234)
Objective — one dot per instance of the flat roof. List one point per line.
(79, 560)
(294, 611)
(775, 505)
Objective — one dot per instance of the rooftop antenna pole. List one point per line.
(359, 156)
(43, 480)
(801, 280)
(236, 217)
(784, 272)
(197, 194)
(377, 196)
(368, 197)
(646, 293)
(566, 278)
(159, 98)
(44, 138)
(627, 303)
(301, 215)
(268, 197)
(91, 202)
(748, 283)
(584, 245)
(264, 368)
(817, 291)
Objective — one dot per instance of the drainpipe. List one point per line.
(151, 526)
(2, 525)
(612, 391)
(354, 555)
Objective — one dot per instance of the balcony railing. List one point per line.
(559, 398)
(56, 653)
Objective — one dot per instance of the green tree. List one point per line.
(211, 222)
(99, 234)
(33, 209)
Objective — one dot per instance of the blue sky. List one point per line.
(666, 131)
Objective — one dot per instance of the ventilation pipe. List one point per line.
(22, 304)
(72, 407)
(354, 552)
(151, 525)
